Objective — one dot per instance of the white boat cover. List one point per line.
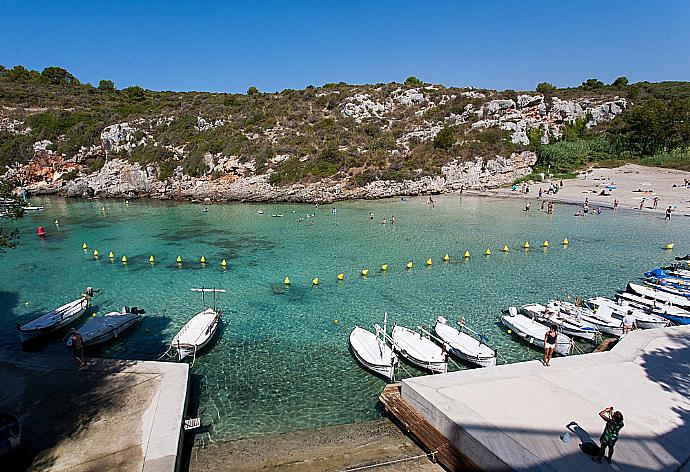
(197, 332)
(417, 346)
(371, 349)
(463, 342)
(102, 328)
(57, 316)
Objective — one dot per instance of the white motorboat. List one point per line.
(568, 325)
(419, 350)
(642, 319)
(601, 319)
(463, 344)
(198, 331)
(99, 329)
(32, 208)
(651, 305)
(659, 295)
(533, 332)
(53, 320)
(372, 351)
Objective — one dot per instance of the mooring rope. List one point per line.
(432, 454)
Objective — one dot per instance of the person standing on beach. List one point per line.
(669, 210)
(655, 201)
(77, 347)
(528, 205)
(550, 339)
(614, 423)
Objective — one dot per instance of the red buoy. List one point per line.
(41, 231)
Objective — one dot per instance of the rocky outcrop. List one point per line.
(122, 179)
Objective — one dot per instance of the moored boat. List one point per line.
(100, 329)
(419, 350)
(198, 331)
(601, 319)
(566, 324)
(643, 319)
(533, 332)
(463, 343)
(53, 320)
(372, 351)
(659, 295)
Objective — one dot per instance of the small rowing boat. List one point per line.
(419, 350)
(601, 319)
(465, 343)
(53, 320)
(533, 332)
(659, 295)
(100, 329)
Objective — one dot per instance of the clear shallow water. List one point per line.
(281, 361)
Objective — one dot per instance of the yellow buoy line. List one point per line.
(152, 259)
(364, 273)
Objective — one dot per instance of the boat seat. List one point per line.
(192, 423)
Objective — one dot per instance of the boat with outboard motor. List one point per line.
(55, 319)
(100, 329)
(643, 319)
(601, 318)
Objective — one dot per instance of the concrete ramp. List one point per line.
(511, 417)
(109, 415)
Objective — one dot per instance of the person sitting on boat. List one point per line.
(628, 323)
(550, 339)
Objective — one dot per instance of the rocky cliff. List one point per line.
(320, 144)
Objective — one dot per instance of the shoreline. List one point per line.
(340, 447)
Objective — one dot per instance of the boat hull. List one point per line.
(561, 348)
(359, 338)
(401, 346)
(482, 359)
(27, 335)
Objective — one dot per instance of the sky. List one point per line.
(228, 46)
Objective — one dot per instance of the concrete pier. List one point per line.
(109, 415)
(512, 417)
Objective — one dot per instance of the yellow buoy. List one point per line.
(202, 260)
(179, 259)
(466, 255)
(670, 246)
(95, 253)
(124, 259)
(102, 208)
(341, 276)
(286, 281)
(505, 248)
(446, 258)
(546, 244)
(428, 262)
(526, 245)
(566, 242)
(384, 267)
(487, 252)
(111, 255)
(84, 246)
(365, 272)
(335, 322)
(152, 259)
(510, 331)
(57, 222)
(315, 281)
(409, 264)
(223, 263)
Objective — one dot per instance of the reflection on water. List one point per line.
(282, 362)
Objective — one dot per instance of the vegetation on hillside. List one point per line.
(309, 126)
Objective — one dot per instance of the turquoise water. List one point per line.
(281, 360)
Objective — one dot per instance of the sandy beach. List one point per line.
(629, 184)
(331, 448)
